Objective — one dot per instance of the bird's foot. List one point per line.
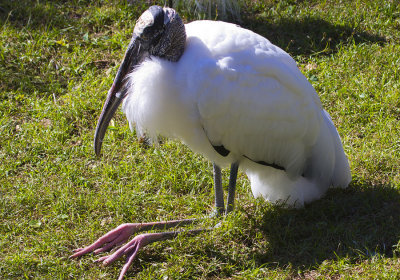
(111, 239)
(131, 249)
(122, 233)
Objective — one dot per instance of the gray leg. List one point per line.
(219, 193)
(232, 186)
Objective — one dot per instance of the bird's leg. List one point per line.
(219, 192)
(232, 186)
(122, 233)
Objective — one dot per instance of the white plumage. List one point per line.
(234, 88)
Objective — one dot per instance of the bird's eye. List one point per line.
(147, 33)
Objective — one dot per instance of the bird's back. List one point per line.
(251, 97)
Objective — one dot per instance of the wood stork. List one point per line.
(232, 96)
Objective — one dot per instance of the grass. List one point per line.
(57, 61)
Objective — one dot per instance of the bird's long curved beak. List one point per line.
(117, 92)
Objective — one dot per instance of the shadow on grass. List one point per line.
(356, 223)
(26, 14)
(310, 35)
(64, 15)
(297, 36)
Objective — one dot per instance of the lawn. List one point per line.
(57, 61)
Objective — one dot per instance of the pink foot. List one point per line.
(121, 235)
(111, 239)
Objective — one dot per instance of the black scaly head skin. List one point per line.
(162, 32)
(149, 27)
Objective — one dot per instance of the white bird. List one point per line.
(234, 97)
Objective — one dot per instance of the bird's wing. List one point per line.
(251, 97)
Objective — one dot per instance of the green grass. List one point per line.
(57, 61)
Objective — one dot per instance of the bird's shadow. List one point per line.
(353, 224)
(356, 223)
(308, 36)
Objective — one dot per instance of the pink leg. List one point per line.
(122, 233)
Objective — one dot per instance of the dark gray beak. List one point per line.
(118, 91)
